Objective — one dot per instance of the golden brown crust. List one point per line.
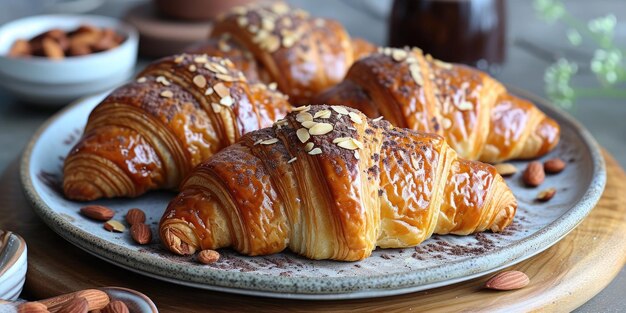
(276, 43)
(148, 134)
(477, 116)
(328, 183)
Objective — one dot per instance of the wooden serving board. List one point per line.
(562, 277)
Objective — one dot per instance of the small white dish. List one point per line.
(57, 82)
(136, 301)
(12, 265)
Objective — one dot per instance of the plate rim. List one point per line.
(328, 288)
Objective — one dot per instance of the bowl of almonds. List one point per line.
(54, 59)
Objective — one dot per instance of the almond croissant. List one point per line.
(150, 133)
(329, 183)
(274, 42)
(474, 112)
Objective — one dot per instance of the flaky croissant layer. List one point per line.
(148, 134)
(475, 113)
(329, 183)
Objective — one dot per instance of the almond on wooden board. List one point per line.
(141, 233)
(509, 280)
(116, 307)
(97, 212)
(135, 216)
(96, 299)
(32, 307)
(553, 166)
(75, 305)
(534, 175)
(208, 256)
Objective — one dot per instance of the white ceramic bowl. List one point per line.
(53, 82)
(12, 265)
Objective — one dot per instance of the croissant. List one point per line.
(328, 183)
(478, 117)
(148, 134)
(274, 42)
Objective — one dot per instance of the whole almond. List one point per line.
(554, 166)
(208, 256)
(96, 299)
(19, 48)
(506, 169)
(534, 174)
(114, 226)
(546, 194)
(52, 49)
(75, 305)
(32, 307)
(135, 216)
(141, 233)
(116, 307)
(509, 280)
(97, 212)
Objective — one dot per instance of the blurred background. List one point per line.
(568, 51)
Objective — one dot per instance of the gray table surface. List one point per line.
(604, 118)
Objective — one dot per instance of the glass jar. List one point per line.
(462, 31)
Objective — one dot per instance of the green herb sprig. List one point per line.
(607, 62)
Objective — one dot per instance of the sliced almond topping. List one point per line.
(357, 143)
(272, 86)
(303, 108)
(304, 116)
(446, 123)
(258, 142)
(269, 141)
(443, 65)
(308, 147)
(321, 129)
(280, 8)
(410, 59)
(289, 41)
(356, 118)
(166, 94)
(340, 139)
(216, 107)
(223, 46)
(309, 124)
(356, 155)
(192, 68)
(163, 80)
(222, 90)
(465, 105)
(201, 59)
(268, 24)
(208, 92)
(253, 28)
(271, 43)
(303, 134)
(242, 21)
(414, 69)
(292, 160)
(348, 144)
(319, 22)
(322, 114)
(141, 80)
(377, 119)
(339, 109)
(315, 151)
(199, 81)
(399, 55)
(179, 59)
(226, 78)
(227, 101)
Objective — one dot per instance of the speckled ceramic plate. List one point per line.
(442, 260)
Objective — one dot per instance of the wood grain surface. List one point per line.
(562, 277)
